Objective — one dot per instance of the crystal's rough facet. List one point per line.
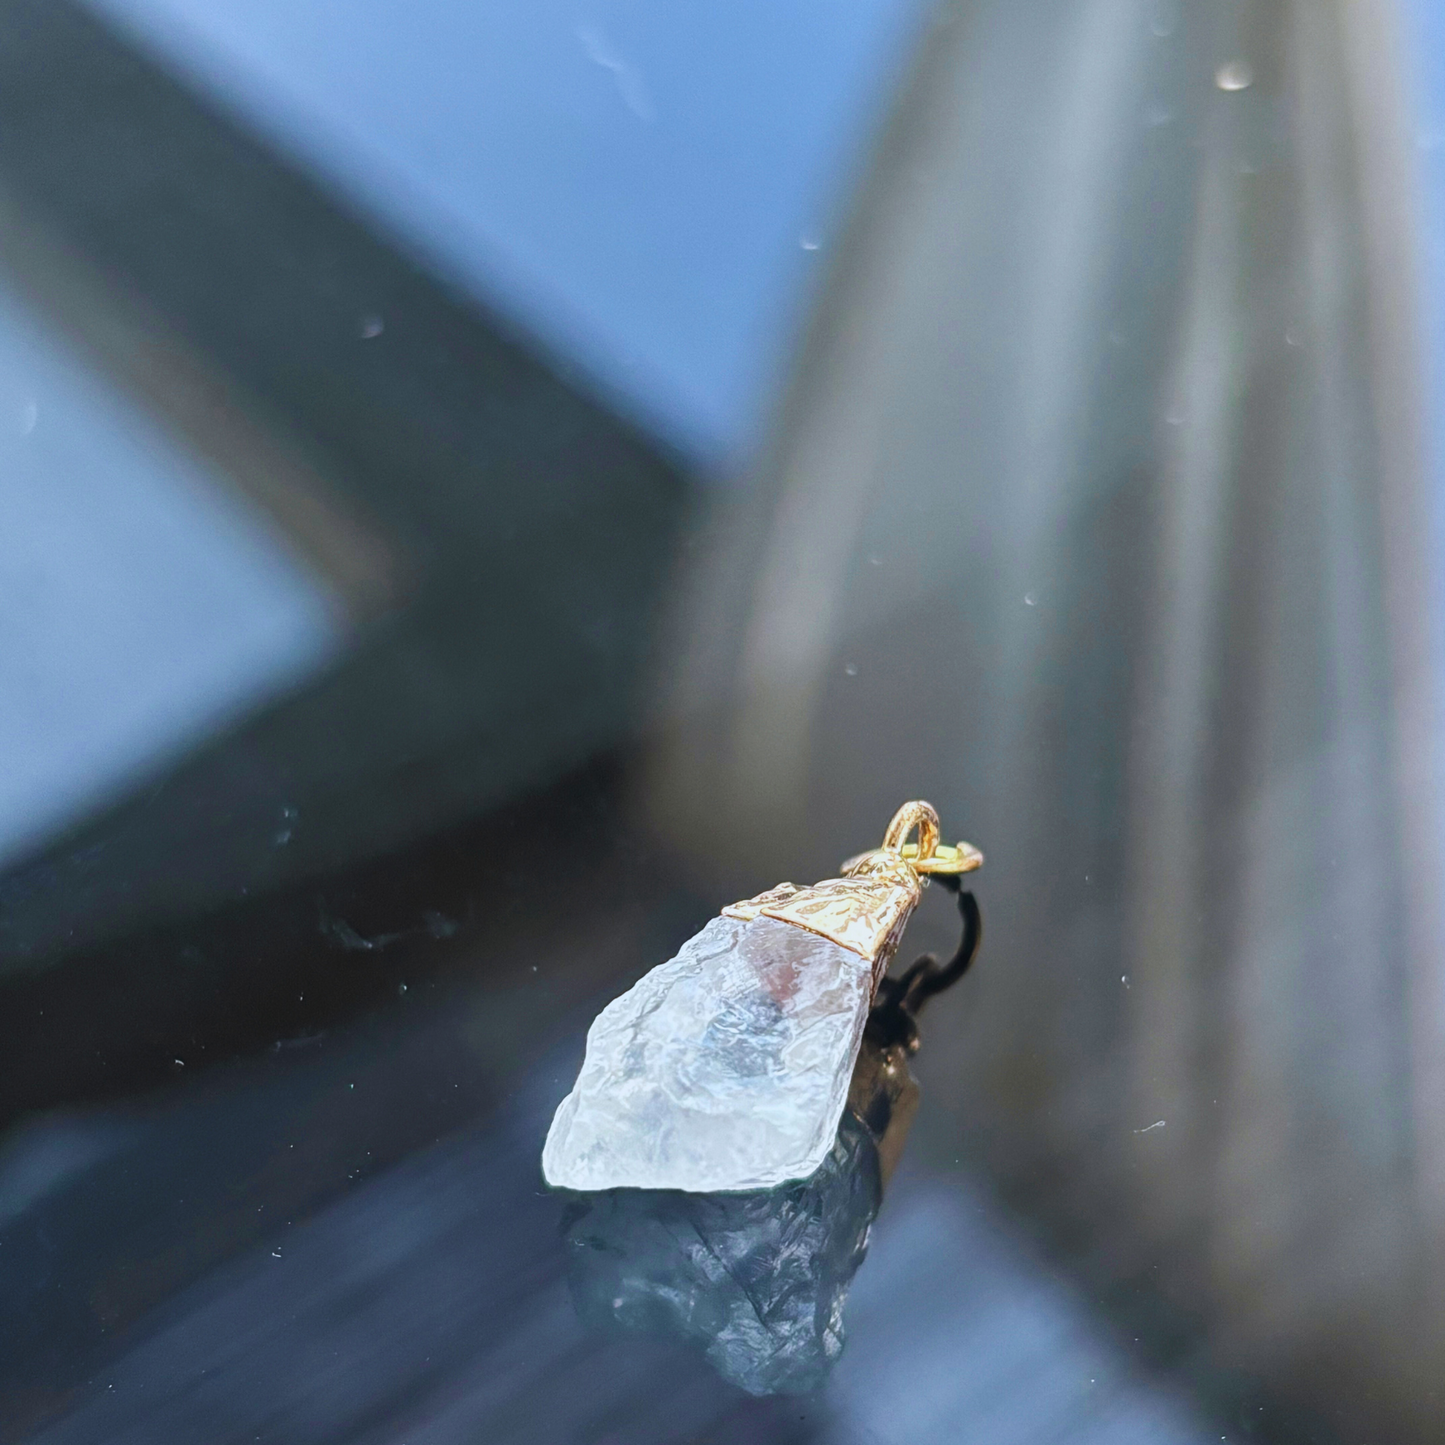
(758, 1281)
(724, 1068)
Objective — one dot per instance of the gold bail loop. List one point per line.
(925, 857)
(916, 814)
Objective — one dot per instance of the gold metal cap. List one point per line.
(865, 910)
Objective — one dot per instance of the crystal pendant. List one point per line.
(727, 1067)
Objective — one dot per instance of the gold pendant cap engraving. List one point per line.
(865, 910)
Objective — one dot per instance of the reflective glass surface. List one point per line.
(483, 488)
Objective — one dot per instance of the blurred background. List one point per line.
(482, 486)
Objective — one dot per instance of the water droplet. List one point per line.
(1175, 415)
(1234, 75)
(1156, 113)
(29, 415)
(851, 669)
(1291, 337)
(808, 243)
(401, 988)
(875, 561)
(370, 326)
(1030, 600)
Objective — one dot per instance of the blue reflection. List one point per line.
(644, 185)
(143, 607)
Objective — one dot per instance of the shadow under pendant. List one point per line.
(727, 1067)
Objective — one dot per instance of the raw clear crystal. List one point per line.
(724, 1068)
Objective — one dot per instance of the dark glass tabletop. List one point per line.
(483, 489)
